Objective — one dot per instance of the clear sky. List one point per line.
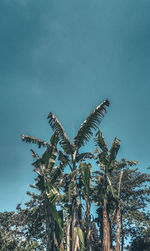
(66, 56)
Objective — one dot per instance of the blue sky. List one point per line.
(66, 57)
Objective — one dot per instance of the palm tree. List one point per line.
(104, 190)
(115, 190)
(85, 185)
(71, 149)
(44, 167)
(48, 183)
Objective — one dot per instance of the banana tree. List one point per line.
(111, 181)
(85, 182)
(71, 149)
(47, 182)
(105, 192)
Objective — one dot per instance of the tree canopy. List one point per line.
(68, 182)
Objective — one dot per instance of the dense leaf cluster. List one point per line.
(59, 216)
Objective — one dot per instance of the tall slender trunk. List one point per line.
(118, 216)
(50, 229)
(68, 235)
(88, 226)
(122, 234)
(75, 238)
(62, 247)
(118, 221)
(48, 233)
(101, 227)
(106, 229)
(80, 211)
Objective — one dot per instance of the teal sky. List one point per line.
(66, 57)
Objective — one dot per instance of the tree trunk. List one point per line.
(88, 226)
(62, 247)
(101, 227)
(48, 234)
(106, 229)
(48, 226)
(122, 234)
(118, 221)
(68, 235)
(50, 230)
(75, 238)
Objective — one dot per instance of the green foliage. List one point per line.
(85, 171)
(140, 243)
(39, 142)
(81, 238)
(64, 198)
(57, 127)
(91, 122)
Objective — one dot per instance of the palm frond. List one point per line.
(54, 139)
(40, 170)
(49, 157)
(92, 121)
(30, 139)
(84, 156)
(69, 177)
(124, 163)
(132, 163)
(85, 171)
(34, 154)
(102, 159)
(114, 150)
(100, 141)
(63, 158)
(57, 127)
(38, 161)
(56, 174)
